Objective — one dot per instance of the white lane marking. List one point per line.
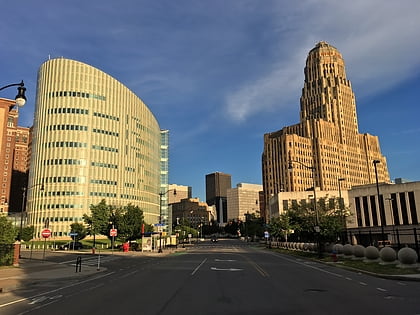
(198, 267)
(402, 283)
(230, 260)
(55, 290)
(362, 283)
(380, 289)
(225, 269)
(350, 279)
(39, 300)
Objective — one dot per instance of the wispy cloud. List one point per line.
(378, 41)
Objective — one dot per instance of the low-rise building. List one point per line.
(388, 213)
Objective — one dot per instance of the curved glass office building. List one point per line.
(93, 139)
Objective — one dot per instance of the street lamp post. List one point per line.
(392, 215)
(317, 227)
(24, 192)
(20, 97)
(341, 204)
(161, 194)
(381, 210)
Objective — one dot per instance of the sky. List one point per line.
(219, 74)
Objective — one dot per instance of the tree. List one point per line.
(280, 227)
(8, 232)
(27, 233)
(128, 221)
(253, 226)
(99, 218)
(232, 227)
(302, 218)
(79, 230)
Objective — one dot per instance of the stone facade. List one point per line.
(326, 143)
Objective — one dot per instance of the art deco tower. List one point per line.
(327, 137)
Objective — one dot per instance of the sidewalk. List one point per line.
(35, 267)
(32, 271)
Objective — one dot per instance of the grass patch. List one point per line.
(360, 265)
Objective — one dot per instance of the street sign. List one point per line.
(73, 234)
(46, 233)
(113, 232)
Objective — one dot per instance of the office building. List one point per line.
(14, 148)
(182, 192)
(217, 185)
(242, 200)
(93, 140)
(20, 173)
(192, 212)
(281, 202)
(393, 215)
(165, 215)
(325, 145)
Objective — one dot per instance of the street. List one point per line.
(227, 277)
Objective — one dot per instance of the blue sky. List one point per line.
(220, 74)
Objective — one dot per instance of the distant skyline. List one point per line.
(220, 74)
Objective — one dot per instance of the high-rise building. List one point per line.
(8, 121)
(14, 148)
(217, 185)
(21, 162)
(165, 215)
(242, 200)
(93, 140)
(325, 145)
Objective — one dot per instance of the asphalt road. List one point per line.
(228, 277)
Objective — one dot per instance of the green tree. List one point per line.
(128, 221)
(280, 227)
(302, 218)
(27, 233)
(253, 226)
(8, 232)
(99, 218)
(79, 229)
(232, 227)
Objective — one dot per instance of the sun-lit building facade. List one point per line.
(93, 139)
(325, 147)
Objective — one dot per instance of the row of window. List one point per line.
(61, 206)
(76, 94)
(106, 132)
(106, 165)
(108, 149)
(104, 182)
(65, 162)
(103, 194)
(64, 179)
(68, 110)
(64, 193)
(72, 144)
(81, 162)
(60, 219)
(67, 127)
(65, 144)
(106, 116)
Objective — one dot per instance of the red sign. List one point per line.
(46, 233)
(113, 232)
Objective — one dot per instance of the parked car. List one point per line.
(71, 246)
